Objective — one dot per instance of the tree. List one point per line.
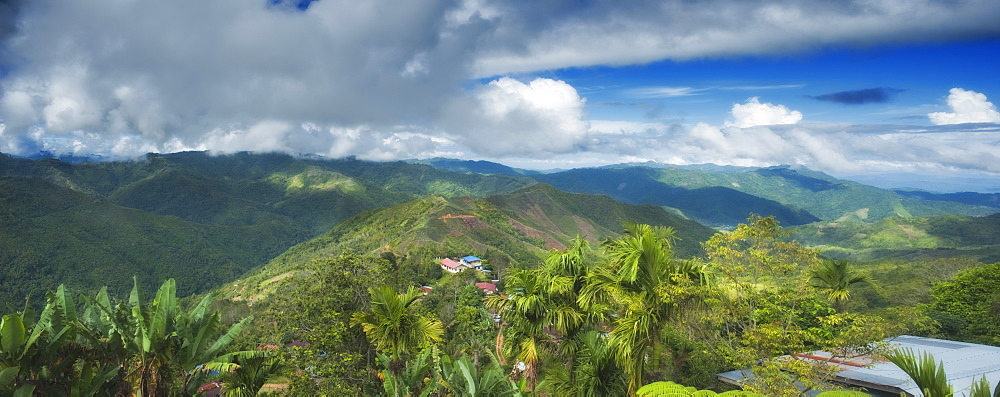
(973, 295)
(45, 356)
(640, 267)
(834, 278)
(315, 309)
(541, 315)
(394, 326)
(524, 318)
(763, 319)
(593, 373)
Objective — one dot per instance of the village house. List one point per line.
(451, 266)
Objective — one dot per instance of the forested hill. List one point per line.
(725, 195)
(201, 219)
(912, 238)
(246, 189)
(517, 228)
(712, 205)
(51, 235)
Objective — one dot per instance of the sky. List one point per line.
(888, 92)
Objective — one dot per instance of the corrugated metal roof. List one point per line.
(964, 363)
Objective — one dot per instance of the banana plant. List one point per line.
(43, 356)
(157, 346)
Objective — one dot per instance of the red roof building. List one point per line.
(452, 266)
(488, 288)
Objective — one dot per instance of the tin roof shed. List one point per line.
(964, 363)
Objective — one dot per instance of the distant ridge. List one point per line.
(712, 205)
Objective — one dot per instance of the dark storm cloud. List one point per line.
(860, 97)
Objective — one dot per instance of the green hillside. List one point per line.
(51, 235)
(248, 189)
(908, 238)
(821, 195)
(199, 218)
(517, 228)
(717, 205)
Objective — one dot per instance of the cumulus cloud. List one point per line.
(859, 97)
(966, 107)
(753, 113)
(508, 117)
(389, 80)
(190, 73)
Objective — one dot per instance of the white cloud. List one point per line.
(966, 107)
(665, 92)
(508, 117)
(753, 113)
(642, 32)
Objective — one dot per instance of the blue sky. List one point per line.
(892, 92)
(922, 74)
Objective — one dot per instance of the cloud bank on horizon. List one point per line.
(485, 79)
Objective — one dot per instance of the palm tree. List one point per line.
(834, 278)
(541, 313)
(593, 373)
(395, 328)
(525, 317)
(640, 263)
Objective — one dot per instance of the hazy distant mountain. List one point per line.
(970, 198)
(476, 166)
(725, 195)
(710, 204)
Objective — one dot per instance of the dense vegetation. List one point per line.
(584, 307)
(201, 219)
(51, 235)
(604, 319)
(513, 229)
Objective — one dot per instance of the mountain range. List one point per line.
(207, 219)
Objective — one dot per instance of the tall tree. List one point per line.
(764, 316)
(395, 327)
(541, 314)
(640, 264)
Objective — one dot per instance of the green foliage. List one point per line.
(926, 373)
(640, 266)
(53, 235)
(834, 278)
(973, 296)
(762, 313)
(147, 348)
(671, 389)
(393, 326)
(200, 219)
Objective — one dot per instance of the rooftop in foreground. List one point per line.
(964, 363)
